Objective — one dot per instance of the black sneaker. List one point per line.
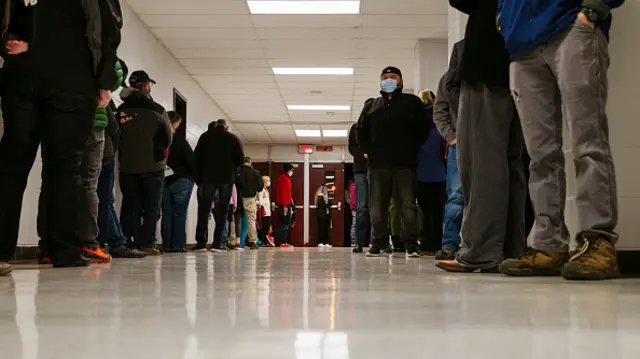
(375, 252)
(413, 252)
(358, 249)
(231, 247)
(253, 246)
(200, 247)
(70, 263)
(125, 252)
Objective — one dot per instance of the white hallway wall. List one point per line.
(141, 50)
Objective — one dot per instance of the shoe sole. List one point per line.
(530, 272)
(492, 270)
(577, 274)
(413, 255)
(7, 271)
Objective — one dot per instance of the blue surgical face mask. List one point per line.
(388, 85)
(268, 184)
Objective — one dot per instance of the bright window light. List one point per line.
(318, 108)
(345, 71)
(303, 7)
(308, 133)
(335, 133)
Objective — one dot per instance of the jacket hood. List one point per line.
(126, 92)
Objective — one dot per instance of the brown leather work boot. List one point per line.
(535, 263)
(595, 259)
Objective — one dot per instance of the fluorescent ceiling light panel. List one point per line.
(345, 71)
(260, 7)
(335, 133)
(318, 108)
(308, 133)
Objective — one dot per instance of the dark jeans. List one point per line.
(175, 204)
(324, 228)
(208, 194)
(141, 197)
(264, 231)
(431, 199)
(110, 231)
(284, 225)
(34, 112)
(362, 213)
(454, 207)
(90, 172)
(399, 183)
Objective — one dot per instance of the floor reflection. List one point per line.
(308, 304)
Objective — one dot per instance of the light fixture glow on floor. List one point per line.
(335, 133)
(318, 108)
(308, 133)
(303, 7)
(344, 71)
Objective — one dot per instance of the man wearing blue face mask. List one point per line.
(390, 131)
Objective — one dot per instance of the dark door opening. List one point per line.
(180, 106)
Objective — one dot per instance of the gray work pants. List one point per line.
(90, 173)
(569, 74)
(492, 175)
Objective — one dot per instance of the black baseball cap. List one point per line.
(391, 70)
(140, 77)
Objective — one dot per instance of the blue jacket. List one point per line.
(528, 24)
(431, 157)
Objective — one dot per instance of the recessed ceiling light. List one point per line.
(318, 108)
(344, 71)
(303, 7)
(335, 133)
(308, 133)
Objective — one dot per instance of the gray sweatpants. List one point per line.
(568, 75)
(492, 175)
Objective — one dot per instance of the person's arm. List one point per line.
(22, 20)
(354, 148)
(442, 114)
(362, 129)
(198, 155)
(466, 6)
(238, 158)
(164, 134)
(420, 128)
(453, 78)
(104, 24)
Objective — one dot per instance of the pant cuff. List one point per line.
(557, 248)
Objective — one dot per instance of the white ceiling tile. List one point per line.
(237, 63)
(218, 53)
(216, 21)
(307, 33)
(395, 21)
(198, 70)
(404, 7)
(202, 33)
(212, 44)
(189, 7)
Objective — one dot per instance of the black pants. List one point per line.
(264, 231)
(34, 112)
(140, 212)
(283, 230)
(399, 183)
(208, 194)
(324, 227)
(431, 199)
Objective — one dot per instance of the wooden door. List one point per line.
(296, 238)
(332, 175)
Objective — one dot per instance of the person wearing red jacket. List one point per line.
(284, 201)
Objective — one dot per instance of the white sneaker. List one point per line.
(320, 245)
(328, 245)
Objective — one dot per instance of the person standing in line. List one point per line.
(41, 105)
(110, 233)
(445, 117)
(323, 216)
(559, 72)
(432, 191)
(361, 178)
(489, 141)
(390, 131)
(146, 135)
(284, 201)
(264, 201)
(235, 221)
(249, 183)
(353, 205)
(178, 187)
(218, 155)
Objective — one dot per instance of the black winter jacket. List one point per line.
(145, 133)
(391, 131)
(249, 182)
(73, 44)
(111, 135)
(485, 59)
(181, 161)
(218, 155)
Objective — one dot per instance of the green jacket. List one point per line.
(102, 120)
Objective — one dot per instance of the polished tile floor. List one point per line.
(309, 304)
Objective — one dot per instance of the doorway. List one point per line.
(333, 176)
(180, 106)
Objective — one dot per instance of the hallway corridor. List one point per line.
(308, 304)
